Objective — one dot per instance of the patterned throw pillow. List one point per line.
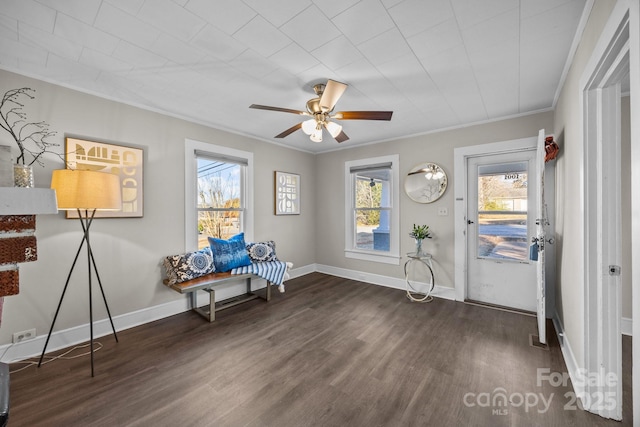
(181, 268)
(262, 251)
(229, 254)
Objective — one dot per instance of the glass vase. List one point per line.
(418, 246)
(22, 176)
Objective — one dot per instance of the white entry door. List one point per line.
(501, 213)
(542, 221)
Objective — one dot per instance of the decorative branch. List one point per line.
(31, 138)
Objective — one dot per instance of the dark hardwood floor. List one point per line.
(328, 352)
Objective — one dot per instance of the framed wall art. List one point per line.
(287, 193)
(126, 162)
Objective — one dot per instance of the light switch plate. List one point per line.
(443, 212)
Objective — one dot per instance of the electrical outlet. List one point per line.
(443, 212)
(29, 334)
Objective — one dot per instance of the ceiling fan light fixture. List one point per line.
(309, 126)
(334, 128)
(433, 173)
(316, 136)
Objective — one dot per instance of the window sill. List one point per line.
(386, 258)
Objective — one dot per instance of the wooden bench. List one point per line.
(206, 283)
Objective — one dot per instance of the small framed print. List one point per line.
(126, 162)
(287, 193)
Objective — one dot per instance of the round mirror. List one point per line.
(425, 183)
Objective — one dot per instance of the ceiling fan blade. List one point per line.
(284, 110)
(332, 92)
(363, 115)
(342, 137)
(289, 131)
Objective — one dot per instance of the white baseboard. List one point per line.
(569, 358)
(390, 282)
(302, 271)
(575, 372)
(102, 328)
(627, 326)
(79, 334)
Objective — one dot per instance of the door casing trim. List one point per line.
(600, 99)
(460, 157)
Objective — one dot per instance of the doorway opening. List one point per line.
(601, 93)
(501, 211)
(498, 153)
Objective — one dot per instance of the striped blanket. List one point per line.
(273, 271)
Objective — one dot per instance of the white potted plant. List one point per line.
(419, 233)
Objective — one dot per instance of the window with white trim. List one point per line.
(217, 196)
(220, 203)
(372, 202)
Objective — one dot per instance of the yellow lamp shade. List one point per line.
(85, 189)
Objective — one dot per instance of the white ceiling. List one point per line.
(435, 63)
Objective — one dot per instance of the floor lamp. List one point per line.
(87, 192)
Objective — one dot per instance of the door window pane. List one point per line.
(502, 211)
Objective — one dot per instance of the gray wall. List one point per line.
(129, 251)
(437, 148)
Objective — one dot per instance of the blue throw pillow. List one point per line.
(229, 254)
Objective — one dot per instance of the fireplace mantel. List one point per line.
(27, 201)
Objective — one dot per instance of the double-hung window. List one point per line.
(220, 203)
(217, 193)
(372, 209)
